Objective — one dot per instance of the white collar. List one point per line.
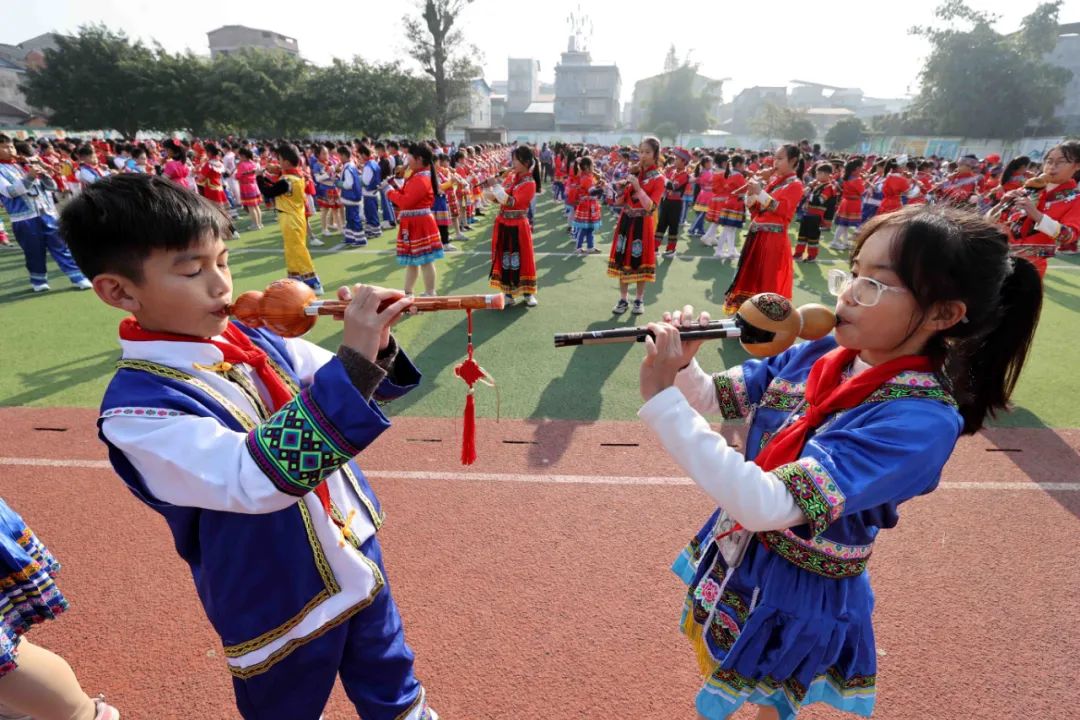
(172, 353)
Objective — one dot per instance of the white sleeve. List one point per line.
(366, 176)
(764, 198)
(698, 388)
(12, 189)
(758, 500)
(195, 461)
(346, 180)
(915, 190)
(307, 358)
(1049, 226)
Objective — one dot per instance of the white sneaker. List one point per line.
(594, 250)
(315, 242)
(531, 301)
(450, 247)
(83, 284)
(43, 287)
(509, 299)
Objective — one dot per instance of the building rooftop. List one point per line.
(829, 111)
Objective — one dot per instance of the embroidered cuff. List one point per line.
(298, 446)
(731, 394)
(364, 374)
(815, 492)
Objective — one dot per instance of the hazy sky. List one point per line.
(753, 43)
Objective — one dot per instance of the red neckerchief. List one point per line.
(236, 348)
(827, 393)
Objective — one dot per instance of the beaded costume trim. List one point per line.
(298, 447)
(814, 491)
(731, 393)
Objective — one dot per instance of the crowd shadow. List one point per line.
(58, 379)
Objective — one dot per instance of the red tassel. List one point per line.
(468, 440)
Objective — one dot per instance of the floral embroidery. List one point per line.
(731, 393)
(822, 557)
(141, 412)
(773, 306)
(707, 593)
(794, 690)
(911, 385)
(766, 436)
(783, 395)
(298, 447)
(814, 490)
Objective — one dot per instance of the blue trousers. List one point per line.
(585, 237)
(368, 651)
(698, 228)
(354, 226)
(37, 235)
(371, 217)
(687, 201)
(388, 214)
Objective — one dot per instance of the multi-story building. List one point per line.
(15, 60)
(586, 95)
(749, 103)
(1066, 54)
(231, 38)
(477, 113)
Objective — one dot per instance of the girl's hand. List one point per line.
(663, 360)
(753, 188)
(1024, 203)
(685, 320)
(633, 180)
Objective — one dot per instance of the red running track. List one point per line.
(554, 600)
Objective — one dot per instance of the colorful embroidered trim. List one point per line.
(783, 395)
(814, 490)
(165, 371)
(766, 227)
(821, 557)
(377, 517)
(141, 412)
(731, 393)
(298, 447)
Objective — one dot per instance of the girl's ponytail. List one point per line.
(984, 369)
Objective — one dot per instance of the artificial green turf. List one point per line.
(59, 347)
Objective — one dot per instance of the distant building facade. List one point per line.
(15, 60)
(477, 114)
(229, 39)
(586, 95)
(1066, 54)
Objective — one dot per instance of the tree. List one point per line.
(255, 92)
(680, 100)
(775, 121)
(977, 82)
(845, 135)
(363, 99)
(671, 60)
(96, 79)
(440, 49)
(666, 131)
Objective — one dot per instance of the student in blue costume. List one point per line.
(934, 324)
(245, 443)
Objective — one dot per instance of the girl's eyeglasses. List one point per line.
(865, 291)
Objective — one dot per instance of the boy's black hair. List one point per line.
(288, 153)
(4, 139)
(115, 224)
(84, 151)
(24, 148)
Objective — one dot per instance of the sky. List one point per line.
(868, 44)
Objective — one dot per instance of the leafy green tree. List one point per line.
(977, 82)
(682, 100)
(95, 79)
(775, 121)
(845, 134)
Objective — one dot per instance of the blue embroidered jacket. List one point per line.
(258, 574)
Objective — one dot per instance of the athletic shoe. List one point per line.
(43, 287)
(315, 242)
(509, 299)
(450, 247)
(669, 254)
(594, 250)
(639, 307)
(531, 301)
(83, 284)
(620, 307)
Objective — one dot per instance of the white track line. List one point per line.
(551, 479)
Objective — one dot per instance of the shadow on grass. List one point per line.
(45, 382)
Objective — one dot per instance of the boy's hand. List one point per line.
(367, 330)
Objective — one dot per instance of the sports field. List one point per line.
(535, 584)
